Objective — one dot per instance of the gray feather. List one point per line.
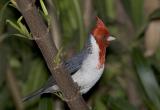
(72, 65)
(34, 94)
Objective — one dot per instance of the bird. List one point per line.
(86, 67)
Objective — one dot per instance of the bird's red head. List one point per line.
(102, 37)
(101, 33)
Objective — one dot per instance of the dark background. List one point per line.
(132, 74)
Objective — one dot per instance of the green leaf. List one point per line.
(13, 24)
(44, 8)
(23, 28)
(47, 18)
(44, 13)
(57, 58)
(20, 28)
(147, 79)
(14, 4)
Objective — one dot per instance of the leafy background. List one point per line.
(132, 75)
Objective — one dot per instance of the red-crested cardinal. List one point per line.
(86, 67)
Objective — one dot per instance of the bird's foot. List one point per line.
(60, 95)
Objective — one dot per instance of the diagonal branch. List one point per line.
(42, 37)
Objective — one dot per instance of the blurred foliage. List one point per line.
(131, 80)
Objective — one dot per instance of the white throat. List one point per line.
(89, 74)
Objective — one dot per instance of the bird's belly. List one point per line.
(86, 78)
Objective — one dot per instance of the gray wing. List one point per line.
(72, 65)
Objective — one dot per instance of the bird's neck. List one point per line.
(100, 46)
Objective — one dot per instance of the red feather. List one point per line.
(101, 33)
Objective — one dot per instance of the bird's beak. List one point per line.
(110, 38)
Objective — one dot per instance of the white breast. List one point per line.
(89, 74)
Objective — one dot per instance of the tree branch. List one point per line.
(42, 37)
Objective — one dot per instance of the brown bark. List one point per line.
(42, 37)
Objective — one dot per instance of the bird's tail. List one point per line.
(34, 94)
